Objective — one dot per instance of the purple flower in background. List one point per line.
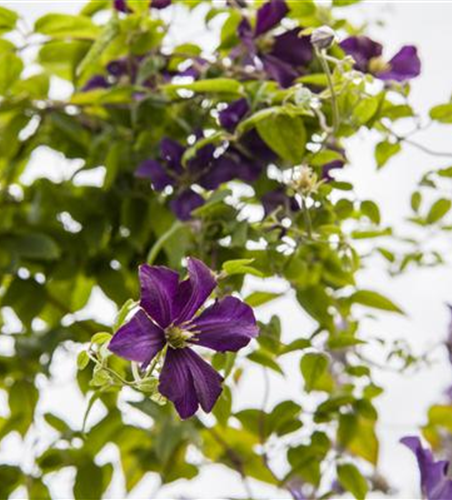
(121, 5)
(168, 317)
(328, 167)
(272, 200)
(269, 16)
(205, 169)
(233, 114)
(368, 59)
(96, 82)
(282, 57)
(435, 483)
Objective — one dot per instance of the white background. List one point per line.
(422, 294)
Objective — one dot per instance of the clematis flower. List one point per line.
(205, 169)
(367, 54)
(435, 483)
(96, 82)
(282, 57)
(233, 114)
(121, 5)
(169, 317)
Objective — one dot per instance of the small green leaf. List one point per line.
(374, 299)
(313, 366)
(384, 151)
(371, 210)
(240, 266)
(100, 338)
(8, 20)
(123, 313)
(257, 299)
(67, 26)
(11, 67)
(213, 85)
(82, 360)
(416, 200)
(352, 480)
(442, 113)
(438, 210)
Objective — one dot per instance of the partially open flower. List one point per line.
(305, 180)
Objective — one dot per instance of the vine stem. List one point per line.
(322, 58)
(152, 255)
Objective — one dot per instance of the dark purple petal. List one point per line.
(278, 198)
(435, 483)
(154, 170)
(96, 82)
(403, 66)
(231, 165)
(160, 4)
(118, 67)
(280, 71)
(231, 116)
(194, 291)
(269, 15)
(362, 49)
(159, 287)
(138, 340)
(227, 325)
(293, 49)
(188, 381)
(172, 152)
(203, 159)
(328, 167)
(184, 204)
(121, 6)
(245, 33)
(257, 148)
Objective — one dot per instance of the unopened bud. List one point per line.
(323, 37)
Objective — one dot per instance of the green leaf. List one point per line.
(285, 134)
(264, 358)
(438, 210)
(371, 210)
(384, 151)
(34, 246)
(313, 367)
(375, 300)
(100, 338)
(213, 85)
(352, 480)
(88, 480)
(123, 313)
(365, 110)
(56, 422)
(67, 26)
(257, 299)
(8, 20)
(344, 3)
(442, 113)
(416, 200)
(240, 266)
(11, 67)
(82, 360)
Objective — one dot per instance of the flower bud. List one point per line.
(305, 180)
(323, 37)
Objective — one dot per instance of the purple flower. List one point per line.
(269, 16)
(368, 59)
(231, 116)
(205, 169)
(96, 82)
(328, 167)
(121, 5)
(276, 198)
(283, 57)
(435, 483)
(168, 317)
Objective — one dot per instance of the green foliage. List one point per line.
(65, 240)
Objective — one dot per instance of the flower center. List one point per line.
(378, 65)
(177, 337)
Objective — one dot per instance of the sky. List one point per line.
(421, 293)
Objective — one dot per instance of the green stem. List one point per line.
(152, 255)
(329, 77)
